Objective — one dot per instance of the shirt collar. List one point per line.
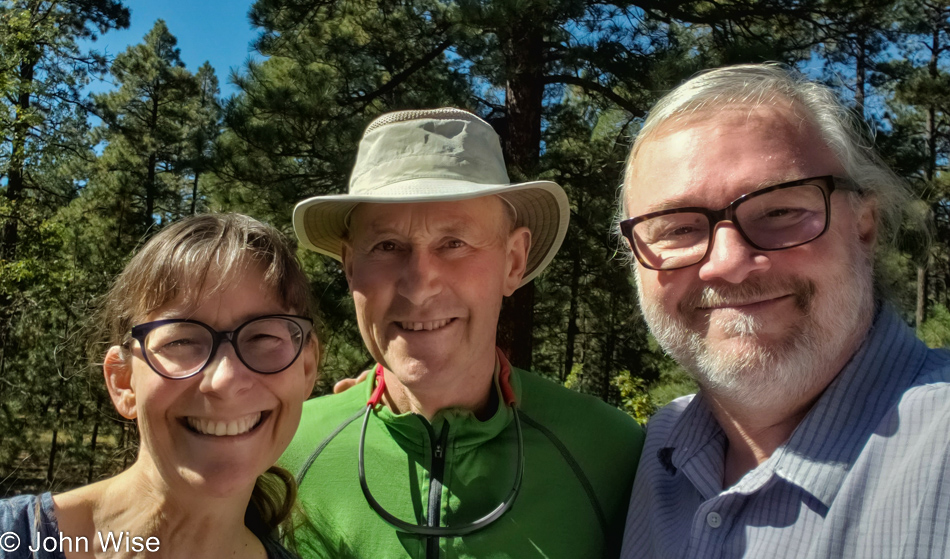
(822, 448)
(696, 446)
(465, 428)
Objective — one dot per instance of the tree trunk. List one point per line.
(944, 296)
(93, 440)
(15, 171)
(194, 195)
(860, 67)
(522, 45)
(609, 348)
(930, 174)
(151, 188)
(572, 312)
(50, 468)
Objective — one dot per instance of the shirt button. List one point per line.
(714, 520)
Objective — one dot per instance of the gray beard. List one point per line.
(762, 374)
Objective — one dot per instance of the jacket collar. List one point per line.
(465, 429)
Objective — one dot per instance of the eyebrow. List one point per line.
(688, 200)
(190, 315)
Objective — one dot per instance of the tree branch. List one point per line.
(399, 78)
(592, 86)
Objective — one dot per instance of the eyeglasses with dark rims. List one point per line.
(181, 348)
(776, 217)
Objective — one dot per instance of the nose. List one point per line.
(226, 375)
(731, 258)
(421, 277)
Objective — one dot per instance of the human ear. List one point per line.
(118, 374)
(311, 364)
(519, 245)
(867, 221)
(346, 255)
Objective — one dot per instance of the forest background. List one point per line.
(86, 178)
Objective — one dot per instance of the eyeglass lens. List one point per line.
(265, 345)
(774, 220)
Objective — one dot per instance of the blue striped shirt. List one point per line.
(865, 475)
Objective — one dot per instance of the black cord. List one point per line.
(443, 531)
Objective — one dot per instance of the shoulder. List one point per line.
(927, 399)
(663, 422)
(667, 416)
(333, 405)
(23, 509)
(935, 371)
(24, 516)
(548, 402)
(585, 425)
(924, 407)
(322, 417)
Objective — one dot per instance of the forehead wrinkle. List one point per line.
(448, 226)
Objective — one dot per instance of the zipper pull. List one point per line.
(438, 450)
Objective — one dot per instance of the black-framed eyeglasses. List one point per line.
(181, 348)
(777, 217)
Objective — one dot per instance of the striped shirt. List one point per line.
(865, 475)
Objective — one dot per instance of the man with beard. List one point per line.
(753, 206)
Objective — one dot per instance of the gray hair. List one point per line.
(845, 133)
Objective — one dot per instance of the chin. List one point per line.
(417, 371)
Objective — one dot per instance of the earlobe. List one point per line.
(118, 375)
(519, 245)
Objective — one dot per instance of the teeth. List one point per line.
(433, 325)
(222, 428)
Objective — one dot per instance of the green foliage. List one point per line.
(46, 401)
(634, 397)
(672, 383)
(77, 202)
(935, 331)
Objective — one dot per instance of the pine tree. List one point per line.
(149, 126)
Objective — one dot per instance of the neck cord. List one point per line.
(438, 531)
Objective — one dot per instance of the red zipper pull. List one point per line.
(380, 388)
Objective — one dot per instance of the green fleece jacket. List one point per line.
(580, 456)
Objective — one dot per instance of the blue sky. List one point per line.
(214, 30)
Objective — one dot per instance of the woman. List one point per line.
(212, 353)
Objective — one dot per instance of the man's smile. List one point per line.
(427, 325)
(751, 305)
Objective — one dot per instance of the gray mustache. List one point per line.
(749, 291)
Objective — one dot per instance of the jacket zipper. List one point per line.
(435, 485)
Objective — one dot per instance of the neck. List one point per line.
(184, 525)
(472, 391)
(753, 434)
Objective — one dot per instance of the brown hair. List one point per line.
(176, 264)
(178, 261)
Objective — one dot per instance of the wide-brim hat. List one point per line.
(435, 155)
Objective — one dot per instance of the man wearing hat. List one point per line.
(448, 450)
